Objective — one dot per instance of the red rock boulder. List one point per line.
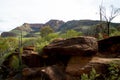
(82, 46)
(78, 65)
(109, 47)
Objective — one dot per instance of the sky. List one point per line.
(14, 13)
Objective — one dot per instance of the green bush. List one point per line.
(113, 72)
(70, 34)
(44, 31)
(14, 62)
(7, 46)
(29, 41)
(115, 33)
(39, 46)
(51, 37)
(92, 76)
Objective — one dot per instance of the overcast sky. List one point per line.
(14, 13)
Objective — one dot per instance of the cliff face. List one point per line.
(36, 27)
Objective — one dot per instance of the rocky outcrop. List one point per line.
(25, 27)
(55, 24)
(36, 27)
(78, 65)
(109, 47)
(31, 58)
(82, 46)
(77, 51)
(68, 59)
(75, 68)
(34, 74)
(81, 62)
(53, 72)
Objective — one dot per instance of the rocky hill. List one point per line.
(25, 27)
(28, 28)
(81, 25)
(61, 26)
(55, 24)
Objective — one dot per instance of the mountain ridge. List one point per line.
(59, 26)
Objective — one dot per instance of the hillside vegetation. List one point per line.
(87, 27)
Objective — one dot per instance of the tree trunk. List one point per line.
(108, 28)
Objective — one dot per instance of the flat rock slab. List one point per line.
(82, 46)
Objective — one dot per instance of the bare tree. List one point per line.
(114, 12)
(100, 8)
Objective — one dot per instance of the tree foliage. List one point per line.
(71, 33)
(44, 31)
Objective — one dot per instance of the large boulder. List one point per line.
(82, 46)
(78, 65)
(109, 47)
(32, 60)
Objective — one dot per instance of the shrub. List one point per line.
(39, 46)
(14, 62)
(92, 76)
(113, 72)
(70, 34)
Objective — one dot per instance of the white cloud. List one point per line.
(16, 12)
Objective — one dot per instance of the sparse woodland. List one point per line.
(9, 45)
